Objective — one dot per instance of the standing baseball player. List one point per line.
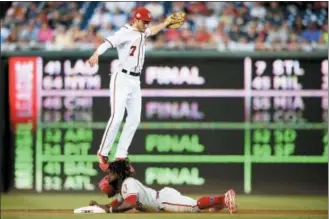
(134, 195)
(125, 88)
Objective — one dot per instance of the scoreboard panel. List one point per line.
(198, 116)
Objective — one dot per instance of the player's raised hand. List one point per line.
(93, 60)
(92, 203)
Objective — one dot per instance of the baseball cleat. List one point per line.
(103, 162)
(230, 201)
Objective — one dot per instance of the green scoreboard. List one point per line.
(205, 122)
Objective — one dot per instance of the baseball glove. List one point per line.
(175, 20)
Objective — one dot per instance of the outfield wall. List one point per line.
(210, 121)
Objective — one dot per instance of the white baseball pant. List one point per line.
(172, 200)
(125, 94)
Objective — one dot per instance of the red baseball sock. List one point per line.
(210, 201)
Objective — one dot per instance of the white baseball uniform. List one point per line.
(125, 88)
(149, 200)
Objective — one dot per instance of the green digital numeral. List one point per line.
(263, 150)
(286, 135)
(52, 183)
(50, 149)
(53, 135)
(261, 136)
(52, 168)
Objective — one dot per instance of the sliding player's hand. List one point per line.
(92, 203)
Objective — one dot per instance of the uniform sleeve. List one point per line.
(148, 32)
(116, 39)
(129, 187)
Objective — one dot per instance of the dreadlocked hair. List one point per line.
(121, 168)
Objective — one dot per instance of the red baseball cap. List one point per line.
(143, 14)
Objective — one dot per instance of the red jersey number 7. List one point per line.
(132, 50)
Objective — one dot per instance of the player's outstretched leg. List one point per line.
(220, 202)
(118, 104)
(211, 201)
(134, 108)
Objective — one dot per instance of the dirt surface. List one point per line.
(272, 212)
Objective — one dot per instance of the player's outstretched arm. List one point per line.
(106, 207)
(100, 50)
(157, 28)
(114, 204)
(129, 203)
(174, 20)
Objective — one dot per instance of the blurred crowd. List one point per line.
(222, 26)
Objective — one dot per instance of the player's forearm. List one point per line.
(157, 28)
(106, 207)
(102, 48)
(115, 207)
(115, 203)
(125, 206)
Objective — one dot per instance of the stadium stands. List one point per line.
(222, 26)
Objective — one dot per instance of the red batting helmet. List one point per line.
(143, 14)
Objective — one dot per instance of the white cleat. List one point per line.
(230, 201)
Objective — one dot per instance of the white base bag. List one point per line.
(89, 210)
